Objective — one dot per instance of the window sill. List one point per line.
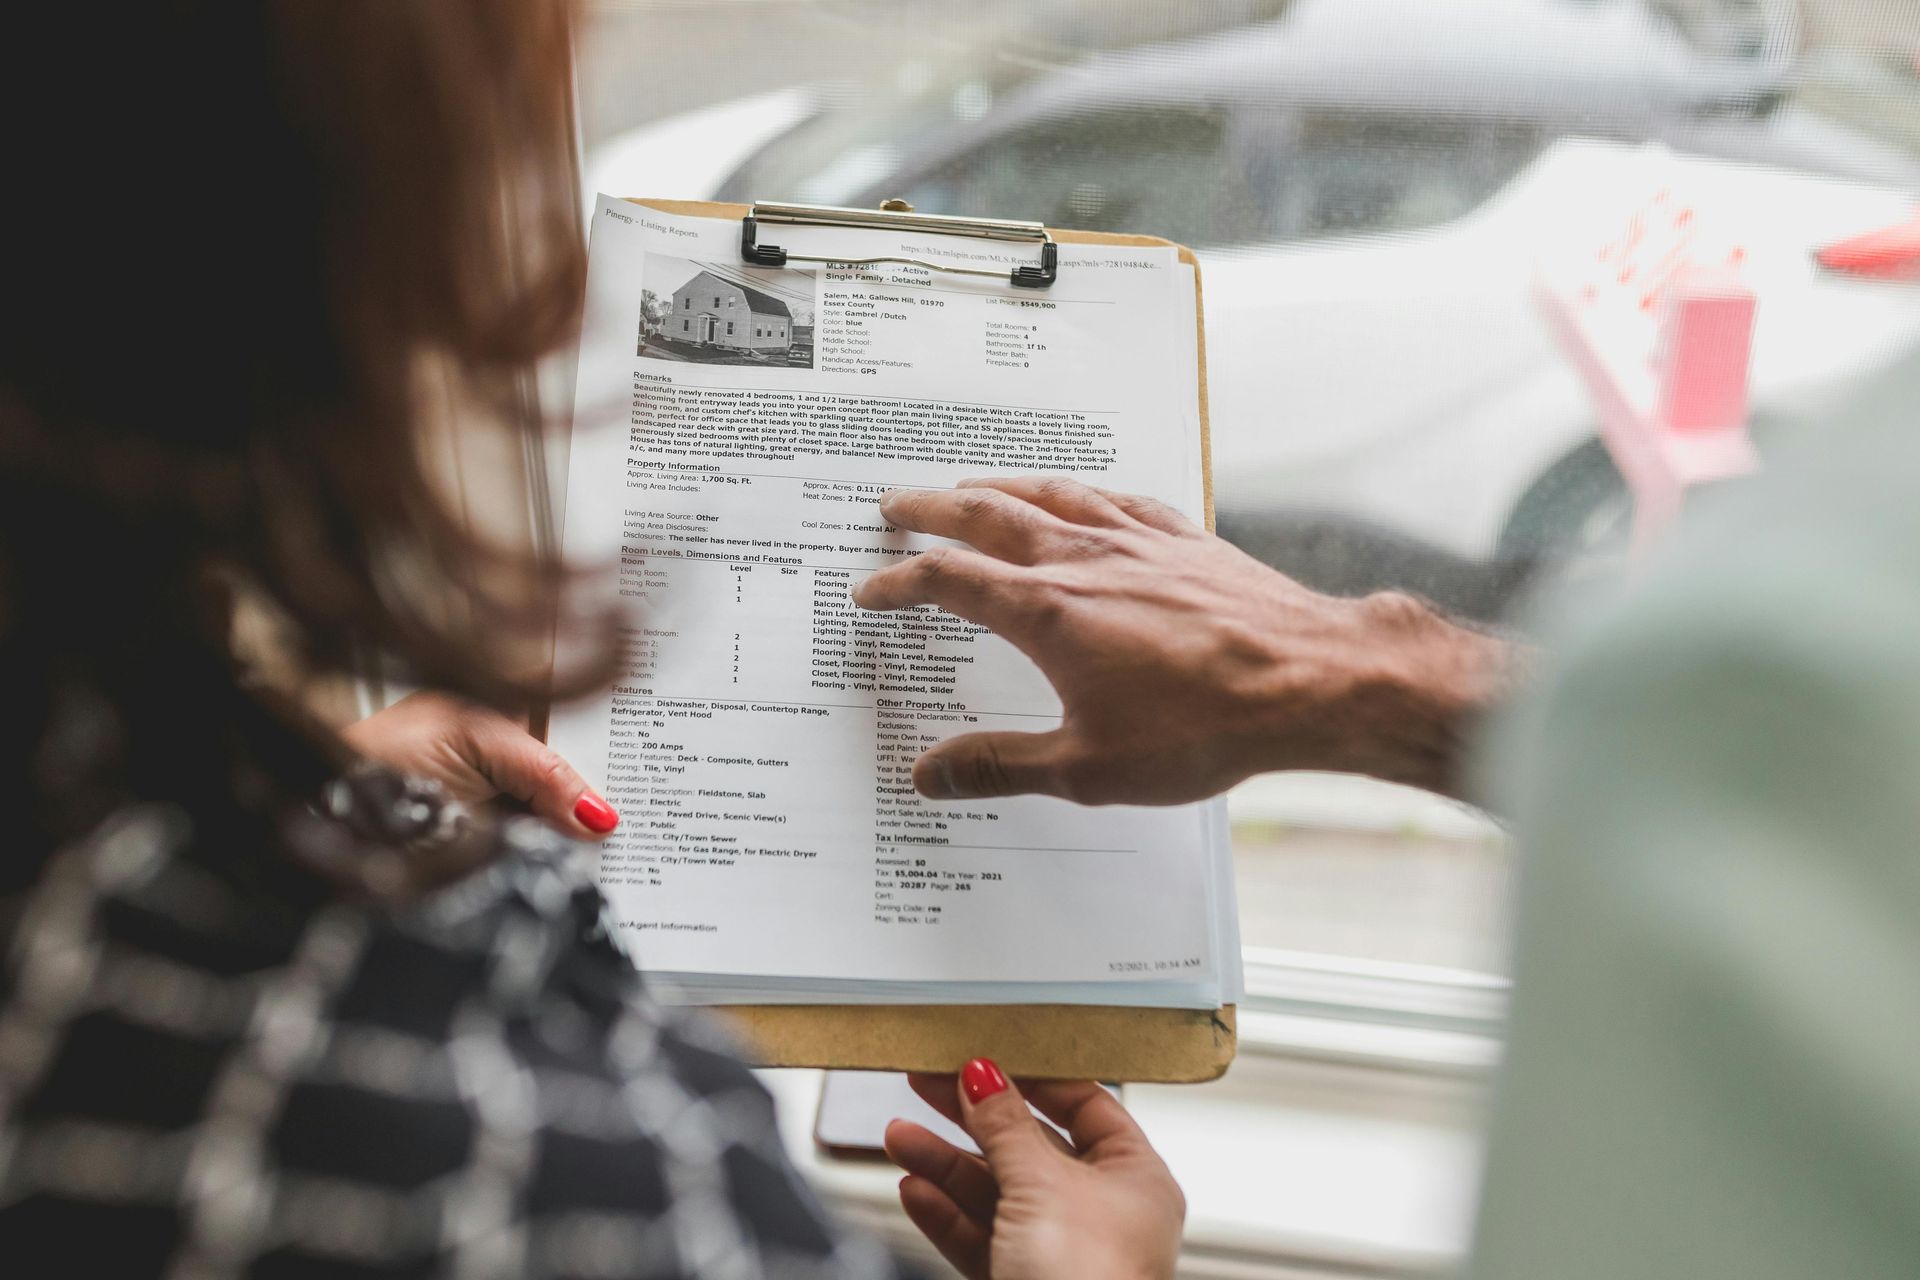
(1370, 1013)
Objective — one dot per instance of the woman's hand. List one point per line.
(1037, 1208)
(478, 754)
(1184, 665)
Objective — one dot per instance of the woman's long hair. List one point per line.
(258, 249)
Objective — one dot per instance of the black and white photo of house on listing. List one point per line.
(723, 313)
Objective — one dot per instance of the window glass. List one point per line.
(1373, 187)
(1344, 173)
(1160, 170)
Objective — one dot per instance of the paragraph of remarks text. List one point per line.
(781, 426)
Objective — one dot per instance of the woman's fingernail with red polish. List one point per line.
(595, 814)
(982, 1079)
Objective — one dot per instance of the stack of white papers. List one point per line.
(734, 428)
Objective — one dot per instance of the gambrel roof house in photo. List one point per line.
(709, 311)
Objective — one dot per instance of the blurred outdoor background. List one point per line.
(1373, 186)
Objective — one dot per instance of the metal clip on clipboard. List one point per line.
(898, 215)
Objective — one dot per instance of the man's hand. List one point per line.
(1184, 665)
(477, 754)
(1037, 1208)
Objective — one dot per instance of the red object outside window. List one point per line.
(1892, 253)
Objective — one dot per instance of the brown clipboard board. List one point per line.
(1056, 1041)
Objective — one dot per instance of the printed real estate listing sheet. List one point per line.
(734, 429)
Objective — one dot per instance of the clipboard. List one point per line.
(1043, 1041)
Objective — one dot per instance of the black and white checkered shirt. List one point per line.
(207, 1076)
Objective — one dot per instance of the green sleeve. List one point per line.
(1714, 1067)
